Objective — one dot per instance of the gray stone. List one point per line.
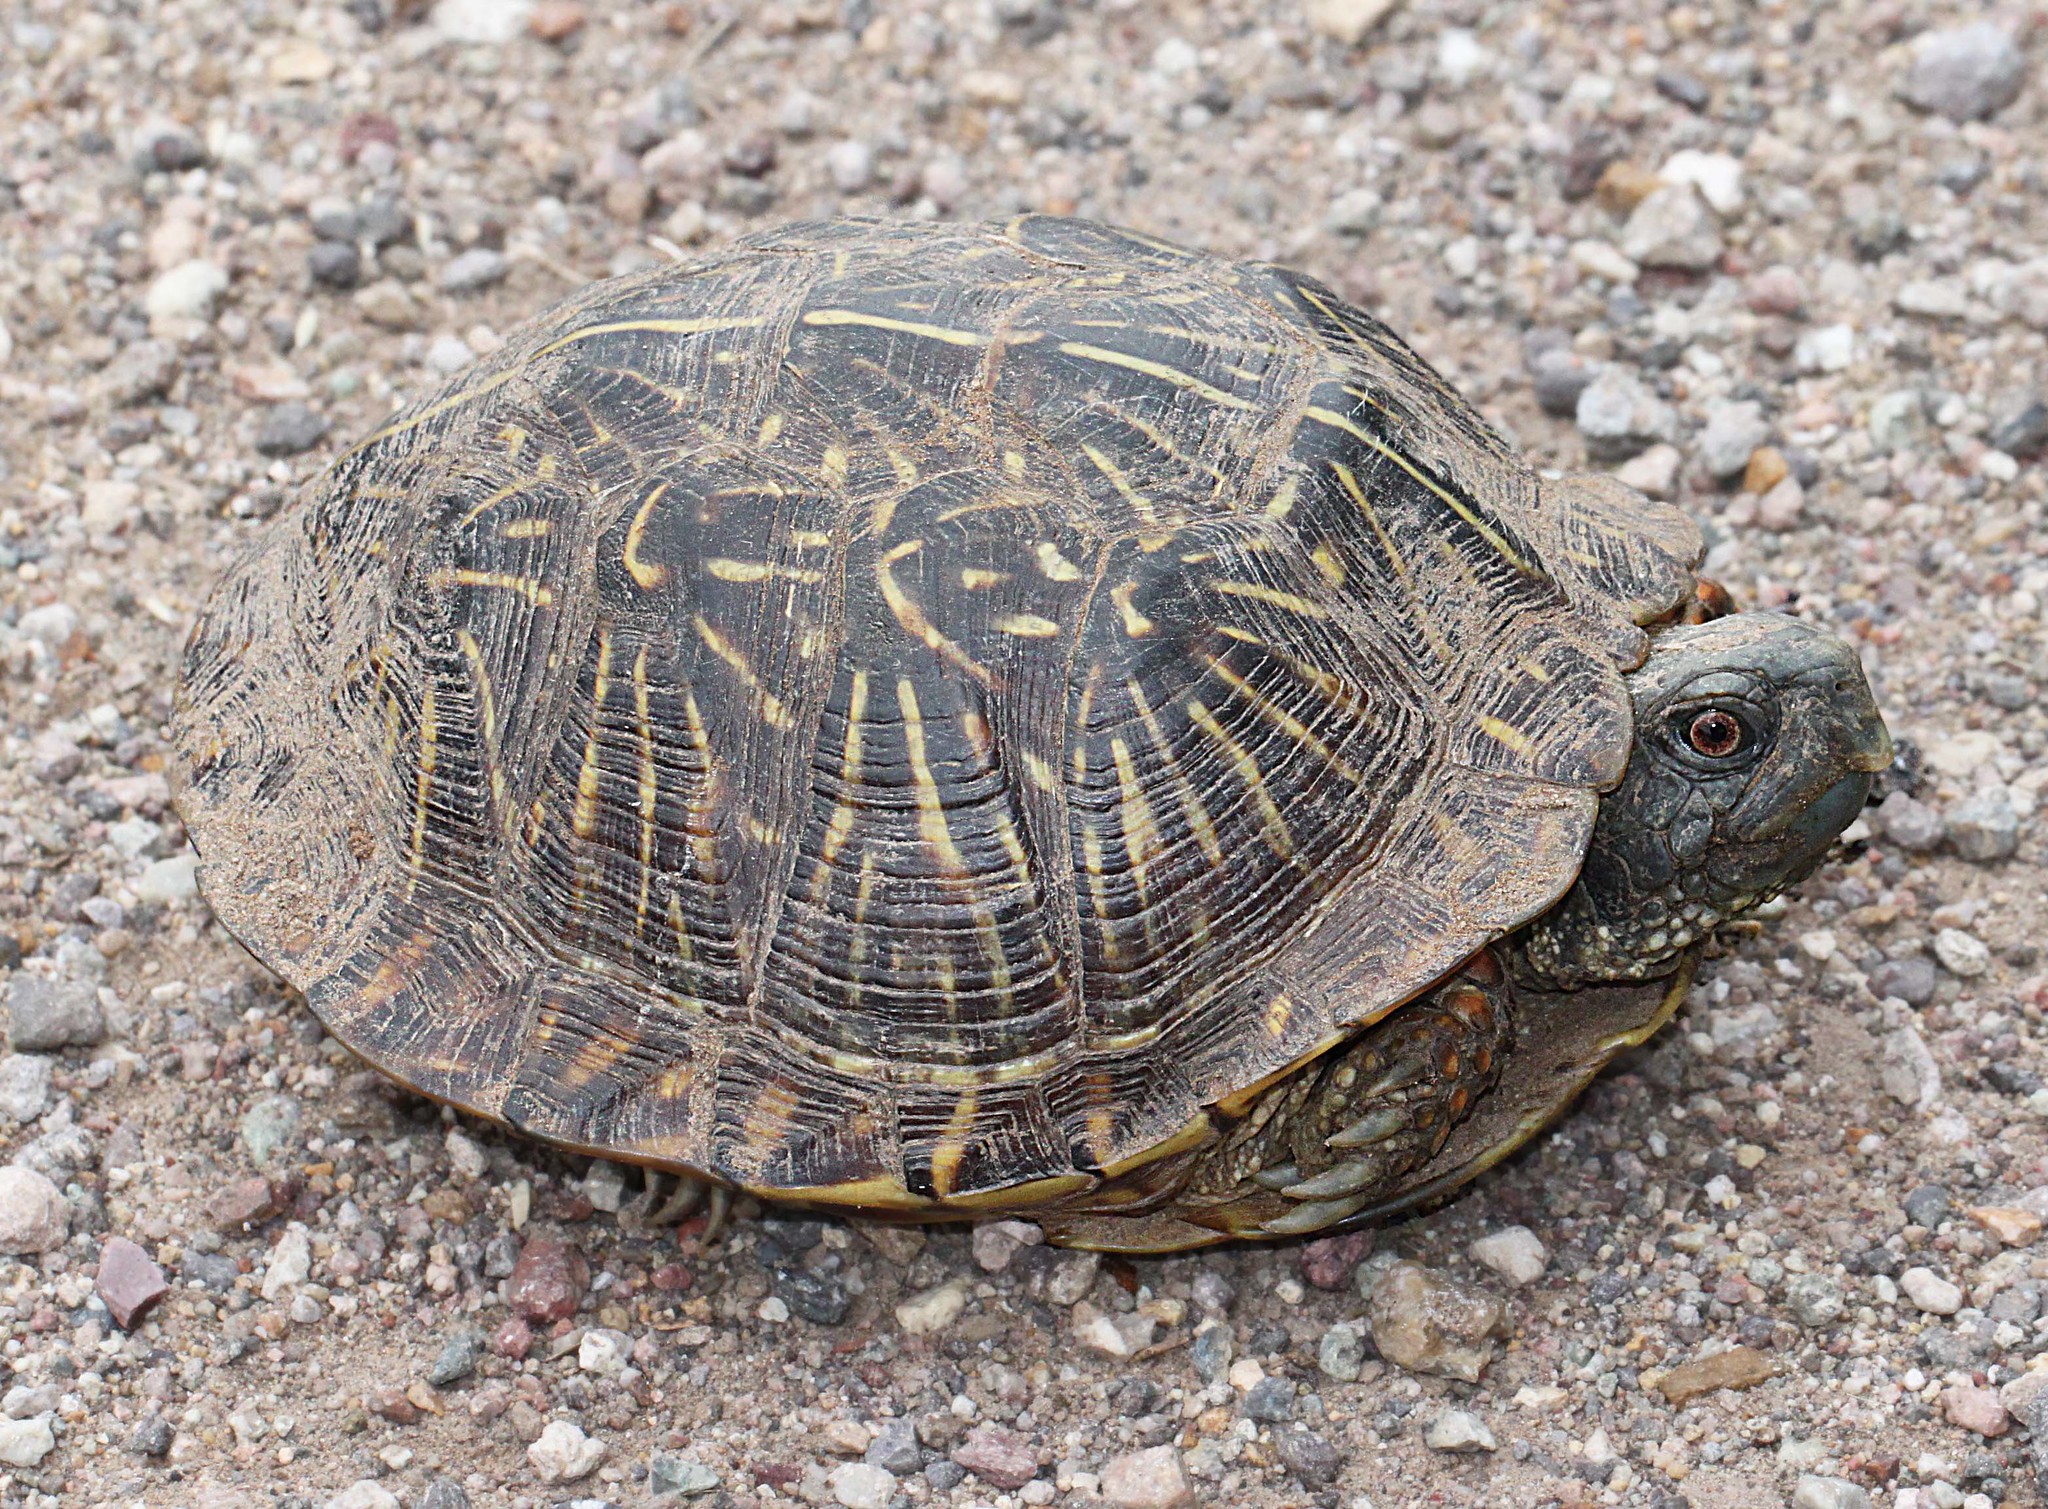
(1929, 1206)
(1673, 227)
(1619, 416)
(444, 1493)
(1270, 1401)
(680, 1477)
(1910, 823)
(458, 1358)
(1341, 1353)
(1560, 377)
(335, 264)
(1911, 979)
(24, 1086)
(271, 1125)
(1985, 829)
(474, 270)
(33, 1215)
(1312, 1459)
(142, 371)
(289, 428)
(1965, 72)
(894, 1448)
(1815, 1300)
(1733, 433)
(46, 1014)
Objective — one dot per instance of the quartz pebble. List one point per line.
(33, 1215)
(1458, 1430)
(1961, 953)
(1514, 1252)
(1813, 1492)
(1432, 1323)
(861, 1485)
(564, 1454)
(1149, 1479)
(1965, 72)
(1931, 1292)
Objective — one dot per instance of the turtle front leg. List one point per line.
(1343, 1132)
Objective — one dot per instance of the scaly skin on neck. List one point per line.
(1693, 837)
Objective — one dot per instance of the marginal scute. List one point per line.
(900, 714)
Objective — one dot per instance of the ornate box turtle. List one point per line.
(949, 720)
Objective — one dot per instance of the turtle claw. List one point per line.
(1314, 1216)
(721, 1207)
(1277, 1177)
(688, 1192)
(1398, 1075)
(1345, 1179)
(1375, 1126)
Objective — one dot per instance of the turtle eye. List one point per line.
(1716, 733)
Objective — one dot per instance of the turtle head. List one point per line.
(1755, 740)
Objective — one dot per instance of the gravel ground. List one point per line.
(1776, 261)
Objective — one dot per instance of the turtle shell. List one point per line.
(910, 716)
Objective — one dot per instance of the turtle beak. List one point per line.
(1832, 740)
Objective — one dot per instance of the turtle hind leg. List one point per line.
(1347, 1131)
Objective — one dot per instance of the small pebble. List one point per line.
(1458, 1430)
(1931, 1292)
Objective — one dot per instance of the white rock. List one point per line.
(1459, 57)
(933, 1310)
(23, 1443)
(1910, 1075)
(1113, 1335)
(24, 1086)
(465, 1156)
(851, 165)
(563, 1453)
(603, 1352)
(1346, 21)
(1831, 348)
(1818, 945)
(1654, 473)
(1932, 299)
(1828, 1493)
(1514, 1252)
(1603, 259)
(1458, 1430)
(1930, 1291)
(1961, 953)
(1673, 227)
(481, 21)
(366, 1493)
(1355, 212)
(1150, 1479)
(173, 879)
(189, 291)
(291, 1260)
(1716, 175)
(859, 1485)
(33, 1215)
(1960, 755)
